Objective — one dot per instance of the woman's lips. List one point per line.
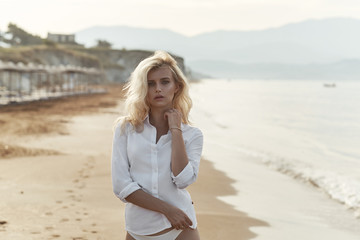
(159, 97)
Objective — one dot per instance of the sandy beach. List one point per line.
(55, 175)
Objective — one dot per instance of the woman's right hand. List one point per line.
(177, 218)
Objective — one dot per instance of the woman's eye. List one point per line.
(151, 83)
(165, 82)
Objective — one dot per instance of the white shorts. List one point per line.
(172, 235)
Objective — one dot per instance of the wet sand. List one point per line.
(55, 175)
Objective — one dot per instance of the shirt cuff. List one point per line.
(129, 189)
(183, 179)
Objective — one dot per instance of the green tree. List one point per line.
(21, 37)
(103, 44)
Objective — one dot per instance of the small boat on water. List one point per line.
(330, 85)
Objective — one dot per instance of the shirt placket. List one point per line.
(154, 168)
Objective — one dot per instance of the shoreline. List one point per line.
(220, 220)
(294, 210)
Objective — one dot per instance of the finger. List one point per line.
(188, 221)
(166, 115)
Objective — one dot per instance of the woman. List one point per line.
(156, 154)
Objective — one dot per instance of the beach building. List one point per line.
(62, 38)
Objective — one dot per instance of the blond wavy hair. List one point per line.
(136, 105)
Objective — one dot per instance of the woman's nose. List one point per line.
(158, 88)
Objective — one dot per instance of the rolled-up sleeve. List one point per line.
(123, 184)
(193, 150)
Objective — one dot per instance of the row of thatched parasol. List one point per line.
(31, 67)
(24, 82)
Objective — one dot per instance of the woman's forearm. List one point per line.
(147, 201)
(179, 158)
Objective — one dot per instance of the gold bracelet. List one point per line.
(176, 128)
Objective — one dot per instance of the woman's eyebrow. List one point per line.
(163, 78)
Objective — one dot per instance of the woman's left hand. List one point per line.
(174, 117)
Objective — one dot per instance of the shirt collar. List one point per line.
(147, 122)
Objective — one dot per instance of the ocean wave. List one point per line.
(343, 189)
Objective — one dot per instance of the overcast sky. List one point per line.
(188, 17)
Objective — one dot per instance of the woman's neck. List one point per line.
(156, 118)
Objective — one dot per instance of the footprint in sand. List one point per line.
(77, 181)
(93, 231)
(48, 213)
(89, 165)
(49, 228)
(2, 226)
(81, 186)
(75, 198)
(55, 236)
(64, 220)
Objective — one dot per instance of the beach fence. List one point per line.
(29, 82)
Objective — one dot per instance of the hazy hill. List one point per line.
(130, 37)
(304, 45)
(342, 70)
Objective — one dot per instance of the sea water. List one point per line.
(309, 130)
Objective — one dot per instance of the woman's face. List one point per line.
(161, 88)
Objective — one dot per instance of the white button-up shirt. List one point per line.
(138, 162)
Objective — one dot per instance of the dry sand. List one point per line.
(55, 175)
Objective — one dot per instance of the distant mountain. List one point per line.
(131, 37)
(305, 44)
